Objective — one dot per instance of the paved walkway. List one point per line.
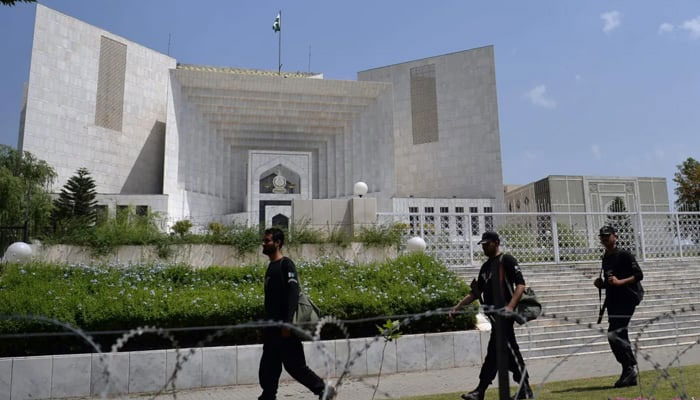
(443, 381)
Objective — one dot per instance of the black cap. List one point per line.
(489, 237)
(607, 230)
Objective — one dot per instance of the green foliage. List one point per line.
(13, 2)
(391, 330)
(301, 233)
(626, 237)
(21, 172)
(339, 237)
(102, 298)
(182, 227)
(76, 203)
(382, 235)
(216, 228)
(688, 185)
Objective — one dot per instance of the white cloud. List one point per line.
(693, 27)
(595, 149)
(665, 28)
(538, 96)
(578, 77)
(611, 20)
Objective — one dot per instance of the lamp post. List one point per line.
(360, 189)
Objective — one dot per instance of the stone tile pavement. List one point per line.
(441, 381)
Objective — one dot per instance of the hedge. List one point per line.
(107, 298)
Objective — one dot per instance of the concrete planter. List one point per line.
(204, 255)
(73, 375)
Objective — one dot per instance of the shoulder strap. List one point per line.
(505, 276)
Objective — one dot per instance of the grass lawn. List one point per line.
(601, 388)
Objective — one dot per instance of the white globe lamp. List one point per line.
(360, 189)
(415, 245)
(18, 252)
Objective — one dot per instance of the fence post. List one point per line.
(421, 219)
(469, 235)
(678, 234)
(555, 237)
(641, 235)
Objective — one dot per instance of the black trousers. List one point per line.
(516, 364)
(619, 316)
(287, 351)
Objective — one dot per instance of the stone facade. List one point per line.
(195, 137)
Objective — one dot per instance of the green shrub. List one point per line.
(216, 228)
(301, 233)
(100, 298)
(182, 227)
(382, 235)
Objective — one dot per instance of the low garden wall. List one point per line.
(204, 255)
(75, 375)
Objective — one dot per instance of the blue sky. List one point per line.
(584, 87)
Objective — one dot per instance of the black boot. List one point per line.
(628, 377)
(476, 394)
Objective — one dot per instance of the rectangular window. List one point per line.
(488, 219)
(424, 111)
(101, 212)
(475, 221)
(141, 211)
(459, 210)
(429, 210)
(413, 220)
(109, 105)
(444, 210)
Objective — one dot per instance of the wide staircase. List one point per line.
(671, 292)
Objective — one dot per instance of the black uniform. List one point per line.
(621, 302)
(281, 297)
(514, 276)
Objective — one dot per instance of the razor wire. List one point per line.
(314, 335)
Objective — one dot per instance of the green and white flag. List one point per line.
(276, 26)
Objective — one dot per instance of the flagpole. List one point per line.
(279, 48)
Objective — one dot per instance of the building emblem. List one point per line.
(279, 183)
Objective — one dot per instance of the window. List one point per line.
(141, 211)
(424, 111)
(474, 221)
(459, 210)
(109, 105)
(429, 210)
(444, 210)
(488, 219)
(413, 220)
(101, 213)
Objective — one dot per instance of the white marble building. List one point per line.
(216, 143)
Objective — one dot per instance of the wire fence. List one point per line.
(551, 237)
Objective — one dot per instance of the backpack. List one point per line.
(307, 312)
(529, 307)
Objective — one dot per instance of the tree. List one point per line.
(77, 200)
(688, 180)
(24, 176)
(12, 2)
(626, 238)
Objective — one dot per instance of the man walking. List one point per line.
(280, 346)
(623, 292)
(504, 268)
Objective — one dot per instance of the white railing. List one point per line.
(551, 237)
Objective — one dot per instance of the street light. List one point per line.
(360, 189)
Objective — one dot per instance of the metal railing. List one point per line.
(551, 237)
